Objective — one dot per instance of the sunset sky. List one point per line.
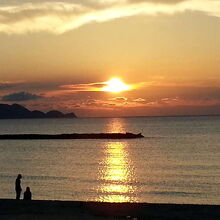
(62, 54)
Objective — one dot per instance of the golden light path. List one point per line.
(116, 85)
(117, 170)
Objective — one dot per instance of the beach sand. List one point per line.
(66, 210)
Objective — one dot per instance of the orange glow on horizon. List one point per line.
(116, 85)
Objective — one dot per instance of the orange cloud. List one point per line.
(97, 87)
(139, 100)
(84, 87)
(118, 99)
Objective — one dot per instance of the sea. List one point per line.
(177, 161)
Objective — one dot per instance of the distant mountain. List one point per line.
(19, 111)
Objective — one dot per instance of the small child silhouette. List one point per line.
(27, 194)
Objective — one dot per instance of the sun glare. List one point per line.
(116, 85)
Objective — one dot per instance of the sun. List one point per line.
(116, 85)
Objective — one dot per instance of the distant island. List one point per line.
(16, 111)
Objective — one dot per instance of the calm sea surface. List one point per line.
(178, 161)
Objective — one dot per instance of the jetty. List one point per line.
(71, 136)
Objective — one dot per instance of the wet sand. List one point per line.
(66, 210)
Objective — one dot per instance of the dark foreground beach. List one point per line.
(66, 210)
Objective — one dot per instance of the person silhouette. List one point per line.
(27, 194)
(18, 188)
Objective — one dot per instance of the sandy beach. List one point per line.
(65, 210)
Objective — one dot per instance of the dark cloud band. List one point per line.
(20, 96)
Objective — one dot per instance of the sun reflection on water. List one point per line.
(115, 125)
(116, 174)
(116, 170)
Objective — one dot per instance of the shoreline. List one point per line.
(65, 210)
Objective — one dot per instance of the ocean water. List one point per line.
(178, 161)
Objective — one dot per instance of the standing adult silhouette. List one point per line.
(18, 188)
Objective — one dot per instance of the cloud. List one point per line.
(119, 99)
(121, 106)
(139, 100)
(9, 84)
(84, 87)
(20, 96)
(158, 1)
(59, 17)
(100, 87)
